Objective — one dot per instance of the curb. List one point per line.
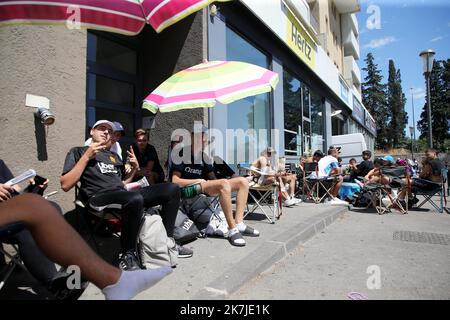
(266, 255)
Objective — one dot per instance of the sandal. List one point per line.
(237, 240)
(249, 231)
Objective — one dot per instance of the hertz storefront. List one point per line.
(309, 92)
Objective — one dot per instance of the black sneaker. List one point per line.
(184, 252)
(59, 287)
(127, 261)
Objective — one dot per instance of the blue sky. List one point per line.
(407, 27)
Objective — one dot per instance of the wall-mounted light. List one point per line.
(336, 112)
(213, 11)
(45, 115)
(42, 106)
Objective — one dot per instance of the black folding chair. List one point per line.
(14, 258)
(388, 196)
(93, 219)
(317, 188)
(434, 189)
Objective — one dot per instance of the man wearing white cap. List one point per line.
(102, 179)
(118, 132)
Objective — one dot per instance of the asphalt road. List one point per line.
(359, 253)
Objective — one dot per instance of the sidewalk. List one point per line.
(218, 269)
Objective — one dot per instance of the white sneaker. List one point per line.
(289, 202)
(338, 202)
(297, 200)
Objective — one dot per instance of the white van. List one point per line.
(352, 146)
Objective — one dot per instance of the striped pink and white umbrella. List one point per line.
(207, 83)
(120, 16)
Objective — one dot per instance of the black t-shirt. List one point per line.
(5, 173)
(364, 167)
(149, 154)
(194, 170)
(436, 166)
(221, 169)
(102, 173)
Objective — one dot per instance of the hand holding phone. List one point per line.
(39, 185)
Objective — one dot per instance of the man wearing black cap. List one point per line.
(199, 170)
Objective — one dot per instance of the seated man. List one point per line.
(430, 176)
(263, 164)
(374, 175)
(366, 165)
(200, 171)
(328, 166)
(350, 171)
(432, 167)
(149, 165)
(102, 179)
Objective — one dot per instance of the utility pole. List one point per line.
(414, 120)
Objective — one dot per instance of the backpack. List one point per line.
(208, 219)
(185, 229)
(155, 249)
(362, 199)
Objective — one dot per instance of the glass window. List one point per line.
(111, 54)
(316, 122)
(307, 136)
(112, 79)
(126, 119)
(252, 112)
(292, 114)
(111, 90)
(306, 102)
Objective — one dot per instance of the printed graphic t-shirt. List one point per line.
(102, 173)
(326, 164)
(194, 170)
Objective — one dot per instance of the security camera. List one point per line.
(47, 118)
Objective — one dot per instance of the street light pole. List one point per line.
(427, 58)
(411, 129)
(430, 129)
(414, 119)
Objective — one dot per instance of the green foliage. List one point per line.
(440, 106)
(374, 98)
(396, 105)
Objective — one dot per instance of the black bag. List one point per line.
(362, 200)
(199, 210)
(185, 229)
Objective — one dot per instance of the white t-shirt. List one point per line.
(114, 148)
(326, 164)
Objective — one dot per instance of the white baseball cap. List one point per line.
(99, 122)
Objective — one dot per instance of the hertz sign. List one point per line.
(299, 41)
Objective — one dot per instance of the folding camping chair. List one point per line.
(93, 219)
(14, 258)
(266, 195)
(439, 190)
(317, 188)
(386, 197)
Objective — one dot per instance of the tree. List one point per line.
(440, 102)
(396, 107)
(374, 98)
